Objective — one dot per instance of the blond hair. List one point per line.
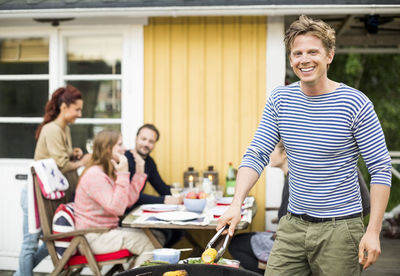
(103, 143)
(316, 27)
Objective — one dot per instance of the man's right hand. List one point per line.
(231, 217)
(245, 179)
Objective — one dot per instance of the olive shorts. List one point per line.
(324, 248)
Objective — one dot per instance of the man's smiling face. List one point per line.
(309, 60)
(145, 141)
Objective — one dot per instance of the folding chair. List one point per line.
(70, 262)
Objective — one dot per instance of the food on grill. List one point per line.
(209, 255)
(176, 273)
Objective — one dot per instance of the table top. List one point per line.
(139, 219)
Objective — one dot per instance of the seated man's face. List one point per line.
(145, 141)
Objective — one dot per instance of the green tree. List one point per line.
(377, 76)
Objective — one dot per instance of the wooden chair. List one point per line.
(70, 263)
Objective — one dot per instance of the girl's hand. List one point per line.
(77, 153)
(139, 161)
(122, 165)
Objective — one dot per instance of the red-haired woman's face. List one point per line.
(72, 111)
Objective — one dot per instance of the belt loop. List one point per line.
(334, 222)
(289, 216)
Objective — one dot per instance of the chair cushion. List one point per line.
(79, 259)
(63, 221)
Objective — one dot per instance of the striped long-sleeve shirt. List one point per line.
(323, 137)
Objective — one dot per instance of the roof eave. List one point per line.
(255, 10)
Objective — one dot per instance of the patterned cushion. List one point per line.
(63, 221)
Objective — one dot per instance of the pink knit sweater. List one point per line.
(99, 201)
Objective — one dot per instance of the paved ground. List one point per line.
(387, 265)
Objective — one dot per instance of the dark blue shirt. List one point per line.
(150, 168)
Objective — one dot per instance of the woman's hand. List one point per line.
(121, 165)
(139, 161)
(77, 153)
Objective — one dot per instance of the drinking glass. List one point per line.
(176, 189)
(218, 191)
(89, 145)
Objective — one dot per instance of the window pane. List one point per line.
(101, 99)
(94, 55)
(24, 56)
(23, 98)
(81, 133)
(17, 140)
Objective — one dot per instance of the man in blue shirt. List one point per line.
(146, 138)
(325, 126)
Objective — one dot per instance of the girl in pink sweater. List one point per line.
(103, 194)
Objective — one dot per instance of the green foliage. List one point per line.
(353, 69)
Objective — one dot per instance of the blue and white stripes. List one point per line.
(323, 137)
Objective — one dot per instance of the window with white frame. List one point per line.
(92, 63)
(91, 59)
(24, 90)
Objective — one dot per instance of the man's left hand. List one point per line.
(369, 249)
(173, 200)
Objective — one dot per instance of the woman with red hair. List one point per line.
(53, 141)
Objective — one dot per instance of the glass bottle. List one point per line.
(230, 181)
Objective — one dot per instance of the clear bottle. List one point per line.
(230, 181)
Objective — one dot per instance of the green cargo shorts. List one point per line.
(324, 248)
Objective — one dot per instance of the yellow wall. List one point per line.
(205, 91)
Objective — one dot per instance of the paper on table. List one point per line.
(148, 218)
(248, 202)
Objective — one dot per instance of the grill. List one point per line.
(192, 269)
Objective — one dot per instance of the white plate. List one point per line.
(177, 216)
(159, 207)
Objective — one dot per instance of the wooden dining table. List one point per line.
(137, 218)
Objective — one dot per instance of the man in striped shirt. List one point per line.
(325, 126)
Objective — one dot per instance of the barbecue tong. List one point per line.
(222, 249)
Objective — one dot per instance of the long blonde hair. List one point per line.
(103, 143)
